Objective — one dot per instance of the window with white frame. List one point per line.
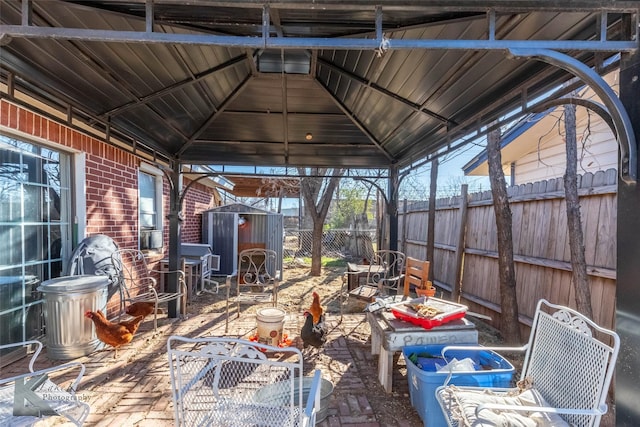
(150, 207)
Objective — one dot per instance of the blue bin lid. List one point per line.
(66, 284)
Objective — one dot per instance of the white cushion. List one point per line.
(462, 404)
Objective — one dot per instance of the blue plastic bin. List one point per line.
(492, 371)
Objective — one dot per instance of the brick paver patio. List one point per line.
(134, 389)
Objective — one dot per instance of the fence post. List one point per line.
(431, 224)
(462, 224)
(404, 226)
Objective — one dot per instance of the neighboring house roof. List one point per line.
(290, 212)
(535, 147)
(479, 166)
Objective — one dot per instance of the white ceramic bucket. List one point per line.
(270, 325)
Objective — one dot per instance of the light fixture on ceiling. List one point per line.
(308, 136)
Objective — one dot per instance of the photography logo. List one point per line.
(25, 392)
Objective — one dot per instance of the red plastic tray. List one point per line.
(450, 311)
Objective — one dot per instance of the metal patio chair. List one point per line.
(136, 283)
(41, 396)
(210, 264)
(568, 366)
(232, 382)
(383, 273)
(256, 280)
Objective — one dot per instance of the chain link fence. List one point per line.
(338, 243)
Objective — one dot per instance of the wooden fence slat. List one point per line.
(541, 251)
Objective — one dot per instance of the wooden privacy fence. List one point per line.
(540, 241)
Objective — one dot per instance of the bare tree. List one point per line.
(317, 193)
(510, 326)
(574, 223)
(278, 187)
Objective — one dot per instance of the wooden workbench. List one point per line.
(389, 335)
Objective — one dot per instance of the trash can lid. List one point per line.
(66, 284)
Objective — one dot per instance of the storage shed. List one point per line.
(232, 228)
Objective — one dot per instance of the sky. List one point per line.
(450, 174)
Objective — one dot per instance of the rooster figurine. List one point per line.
(314, 330)
(313, 334)
(316, 308)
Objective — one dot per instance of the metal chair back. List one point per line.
(232, 382)
(40, 395)
(568, 367)
(256, 281)
(138, 284)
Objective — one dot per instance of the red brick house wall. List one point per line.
(197, 200)
(111, 182)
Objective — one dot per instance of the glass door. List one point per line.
(35, 232)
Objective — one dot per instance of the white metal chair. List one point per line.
(232, 382)
(41, 396)
(568, 366)
(210, 264)
(256, 280)
(137, 285)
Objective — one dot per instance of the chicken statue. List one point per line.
(314, 330)
(316, 308)
(114, 334)
(311, 334)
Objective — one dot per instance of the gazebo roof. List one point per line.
(358, 84)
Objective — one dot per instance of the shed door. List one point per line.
(223, 229)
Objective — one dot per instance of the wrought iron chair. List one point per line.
(232, 382)
(136, 283)
(568, 366)
(39, 395)
(384, 273)
(256, 280)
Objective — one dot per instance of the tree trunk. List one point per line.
(574, 223)
(318, 207)
(510, 326)
(316, 249)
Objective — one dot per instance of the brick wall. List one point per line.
(112, 200)
(111, 182)
(199, 198)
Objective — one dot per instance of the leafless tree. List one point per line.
(510, 326)
(318, 193)
(574, 223)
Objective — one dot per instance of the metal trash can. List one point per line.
(68, 333)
